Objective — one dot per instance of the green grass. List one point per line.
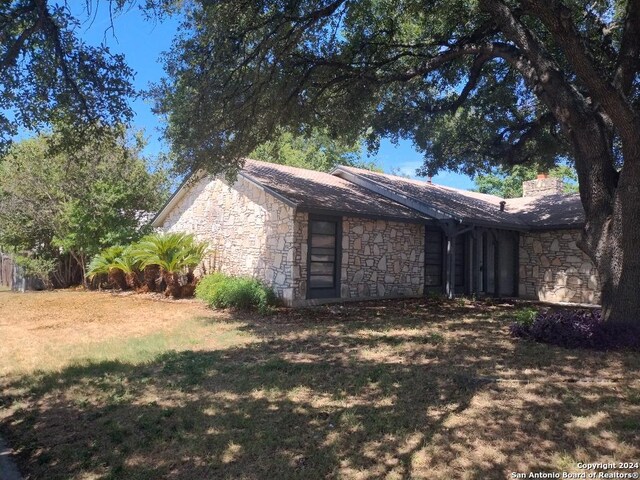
(187, 335)
(378, 390)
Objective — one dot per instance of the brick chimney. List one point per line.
(543, 185)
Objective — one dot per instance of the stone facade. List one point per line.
(251, 233)
(300, 239)
(542, 186)
(381, 258)
(554, 269)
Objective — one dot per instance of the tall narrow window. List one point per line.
(460, 259)
(323, 258)
(433, 258)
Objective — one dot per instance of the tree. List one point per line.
(508, 183)
(49, 75)
(474, 84)
(76, 204)
(315, 151)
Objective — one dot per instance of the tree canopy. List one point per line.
(474, 84)
(378, 68)
(76, 204)
(508, 183)
(49, 75)
(315, 151)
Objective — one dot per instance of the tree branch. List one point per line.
(513, 154)
(557, 18)
(49, 24)
(628, 64)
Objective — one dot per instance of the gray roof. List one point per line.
(309, 190)
(549, 211)
(358, 192)
(552, 211)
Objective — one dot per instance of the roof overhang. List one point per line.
(393, 194)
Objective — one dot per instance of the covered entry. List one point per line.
(470, 260)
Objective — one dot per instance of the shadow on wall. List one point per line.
(552, 265)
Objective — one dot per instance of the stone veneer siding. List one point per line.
(542, 186)
(381, 258)
(554, 269)
(251, 232)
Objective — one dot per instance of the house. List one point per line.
(358, 234)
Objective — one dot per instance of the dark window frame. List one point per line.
(325, 292)
(443, 246)
(459, 281)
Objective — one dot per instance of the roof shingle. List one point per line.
(553, 211)
(318, 191)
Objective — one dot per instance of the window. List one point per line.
(323, 256)
(433, 258)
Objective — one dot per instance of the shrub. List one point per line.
(39, 268)
(525, 316)
(176, 255)
(223, 291)
(105, 263)
(575, 329)
(206, 289)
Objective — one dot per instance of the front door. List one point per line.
(323, 257)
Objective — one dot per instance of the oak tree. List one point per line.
(473, 83)
(50, 75)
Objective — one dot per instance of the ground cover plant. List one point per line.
(574, 329)
(95, 385)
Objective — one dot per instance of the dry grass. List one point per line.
(132, 388)
(50, 330)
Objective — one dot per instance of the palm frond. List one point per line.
(105, 261)
(172, 252)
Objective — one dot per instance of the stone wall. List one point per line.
(542, 186)
(554, 269)
(381, 258)
(251, 233)
(300, 239)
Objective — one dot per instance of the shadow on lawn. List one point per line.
(306, 402)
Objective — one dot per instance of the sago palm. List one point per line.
(128, 264)
(105, 263)
(176, 254)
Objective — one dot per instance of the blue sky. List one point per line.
(142, 42)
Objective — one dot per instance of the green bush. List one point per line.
(223, 291)
(525, 316)
(39, 268)
(208, 285)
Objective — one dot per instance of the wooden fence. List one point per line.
(12, 276)
(7, 267)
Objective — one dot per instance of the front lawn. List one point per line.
(101, 386)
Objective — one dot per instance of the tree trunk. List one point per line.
(618, 261)
(117, 279)
(172, 280)
(151, 277)
(132, 280)
(611, 236)
(589, 121)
